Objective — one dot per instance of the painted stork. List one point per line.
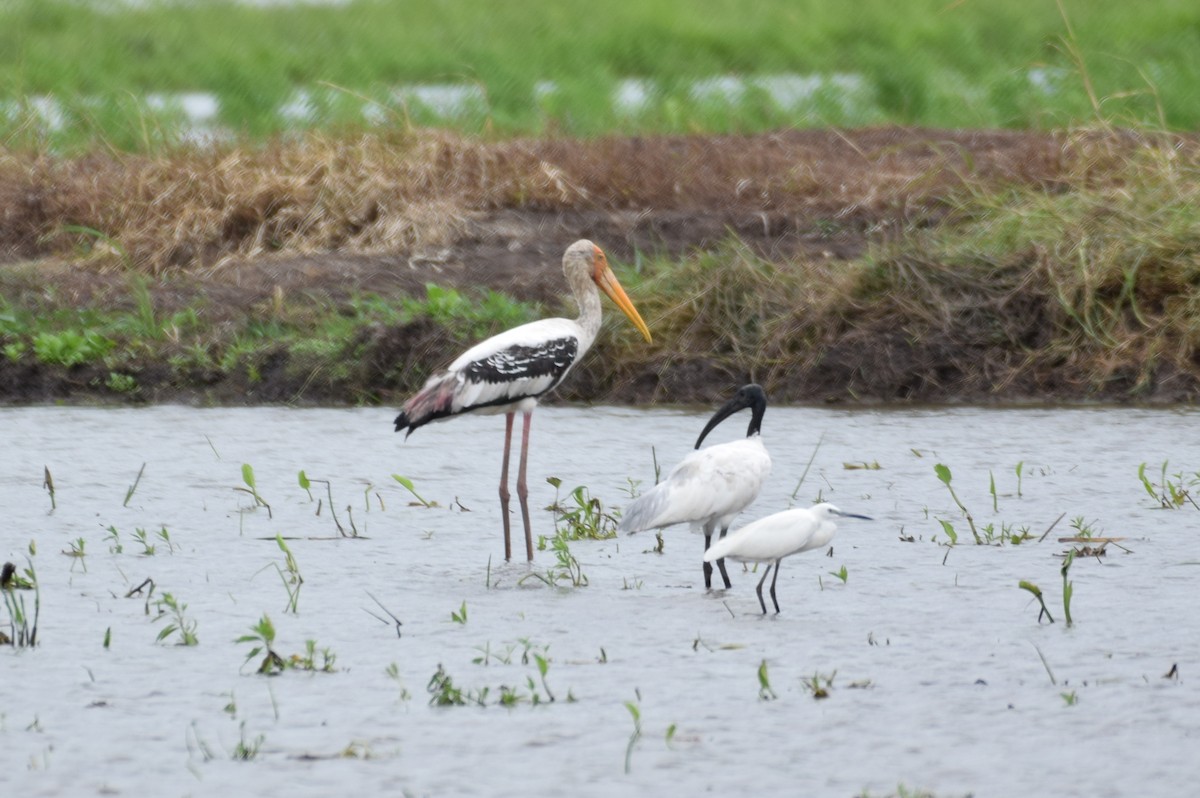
(777, 536)
(511, 371)
(710, 486)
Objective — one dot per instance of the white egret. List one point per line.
(777, 536)
(512, 370)
(711, 486)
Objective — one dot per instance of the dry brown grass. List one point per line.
(197, 209)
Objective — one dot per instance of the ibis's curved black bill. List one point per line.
(748, 396)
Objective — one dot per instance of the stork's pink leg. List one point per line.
(522, 488)
(508, 425)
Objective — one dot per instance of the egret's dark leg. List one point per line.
(508, 425)
(773, 580)
(522, 488)
(707, 564)
(721, 562)
(758, 590)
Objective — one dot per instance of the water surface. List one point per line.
(937, 682)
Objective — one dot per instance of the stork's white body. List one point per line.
(509, 372)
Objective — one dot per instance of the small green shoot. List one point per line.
(1068, 587)
(819, 685)
(165, 537)
(460, 616)
(636, 713)
(305, 484)
(948, 528)
(1037, 593)
(1019, 468)
(140, 536)
(252, 488)
(177, 621)
(943, 473)
(992, 490)
(289, 574)
(245, 750)
(543, 665)
(77, 553)
(1170, 494)
(1083, 528)
(48, 484)
(1071, 698)
(107, 638)
(765, 693)
(22, 628)
(308, 660)
(407, 484)
(129, 493)
(444, 693)
(247, 477)
(487, 655)
(841, 574)
(262, 635)
(587, 519)
(566, 567)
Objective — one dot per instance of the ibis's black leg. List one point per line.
(707, 564)
(758, 590)
(721, 563)
(773, 580)
(522, 488)
(508, 425)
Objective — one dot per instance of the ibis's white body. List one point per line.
(707, 489)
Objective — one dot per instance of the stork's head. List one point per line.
(585, 254)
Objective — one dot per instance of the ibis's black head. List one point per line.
(751, 396)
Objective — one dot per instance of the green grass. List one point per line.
(929, 62)
(322, 340)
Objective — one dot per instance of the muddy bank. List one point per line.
(807, 261)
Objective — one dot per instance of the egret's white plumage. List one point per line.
(777, 536)
(511, 371)
(709, 487)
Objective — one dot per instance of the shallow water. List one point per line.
(938, 686)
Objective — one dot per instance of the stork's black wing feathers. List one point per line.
(519, 362)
